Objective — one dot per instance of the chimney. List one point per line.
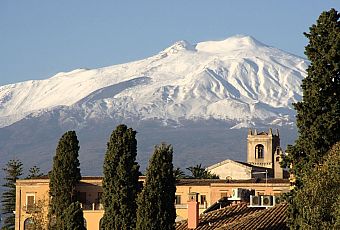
(193, 214)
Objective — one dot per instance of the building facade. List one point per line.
(261, 173)
(32, 197)
(264, 156)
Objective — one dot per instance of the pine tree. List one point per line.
(34, 173)
(73, 217)
(64, 176)
(318, 114)
(120, 182)
(13, 171)
(156, 209)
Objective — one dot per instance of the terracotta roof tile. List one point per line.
(241, 217)
(218, 218)
(271, 218)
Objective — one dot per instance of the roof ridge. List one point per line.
(227, 161)
(243, 220)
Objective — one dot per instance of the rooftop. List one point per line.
(208, 182)
(180, 182)
(242, 217)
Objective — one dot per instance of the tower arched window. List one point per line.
(259, 151)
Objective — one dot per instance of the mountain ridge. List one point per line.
(238, 79)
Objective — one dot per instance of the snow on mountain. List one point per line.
(238, 79)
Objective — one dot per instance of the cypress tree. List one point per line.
(318, 114)
(13, 171)
(73, 217)
(120, 182)
(64, 176)
(156, 208)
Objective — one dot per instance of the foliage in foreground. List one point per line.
(120, 182)
(318, 114)
(317, 203)
(73, 217)
(12, 171)
(311, 204)
(198, 172)
(64, 176)
(156, 209)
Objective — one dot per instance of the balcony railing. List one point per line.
(30, 208)
(92, 206)
(185, 206)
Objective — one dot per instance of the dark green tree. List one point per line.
(198, 172)
(318, 200)
(156, 209)
(34, 172)
(13, 171)
(318, 114)
(64, 176)
(120, 182)
(179, 174)
(73, 217)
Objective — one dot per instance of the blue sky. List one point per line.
(39, 38)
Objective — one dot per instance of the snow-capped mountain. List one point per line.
(199, 98)
(238, 79)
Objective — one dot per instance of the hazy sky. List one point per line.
(39, 38)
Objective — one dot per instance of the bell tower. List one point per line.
(261, 148)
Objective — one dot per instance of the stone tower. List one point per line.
(262, 148)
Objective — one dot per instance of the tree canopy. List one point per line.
(311, 204)
(317, 203)
(156, 209)
(198, 172)
(120, 182)
(13, 171)
(73, 217)
(318, 113)
(64, 176)
(34, 173)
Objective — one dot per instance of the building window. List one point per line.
(259, 151)
(203, 199)
(177, 199)
(29, 224)
(30, 200)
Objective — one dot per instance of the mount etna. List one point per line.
(200, 98)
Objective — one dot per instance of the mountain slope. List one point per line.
(238, 79)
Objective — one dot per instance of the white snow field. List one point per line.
(238, 79)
